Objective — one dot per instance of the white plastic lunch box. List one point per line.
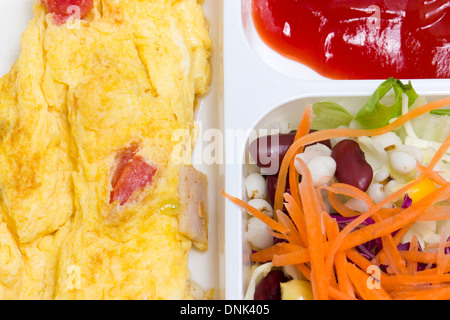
(252, 87)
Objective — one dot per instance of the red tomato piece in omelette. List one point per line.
(64, 9)
(132, 173)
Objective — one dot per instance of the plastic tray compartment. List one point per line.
(287, 112)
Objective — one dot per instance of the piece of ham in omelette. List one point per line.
(111, 91)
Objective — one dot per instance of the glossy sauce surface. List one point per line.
(360, 39)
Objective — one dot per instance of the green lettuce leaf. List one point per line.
(374, 114)
(330, 115)
(441, 112)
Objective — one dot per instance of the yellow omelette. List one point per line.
(92, 203)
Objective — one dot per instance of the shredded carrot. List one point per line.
(292, 235)
(302, 130)
(280, 236)
(304, 270)
(342, 133)
(364, 286)
(339, 295)
(435, 176)
(442, 258)
(327, 256)
(269, 253)
(437, 245)
(396, 261)
(296, 214)
(392, 281)
(390, 224)
(311, 209)
(420, 256)
(373, 209)
(439, 153)
(436, 213)
(413, 247)
(260, 215)
(350, 191)
(343, 280)
(340, 207)
(440, 293)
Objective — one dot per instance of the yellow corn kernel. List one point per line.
(296, 290)
(421, 190)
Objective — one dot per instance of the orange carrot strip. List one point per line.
(370, 232)
(302, 130)
(296, 214)
(435, 176)
(343, 280)
(436, 157)
(358, 259)
(429, 271)
(336, 294)
(341, 208)
(393, 281)
(427, 294)
(260, 215)
(398, 221)
(299, 256)
(422, 257)
(439, 153)
(292, 235)
(402, 232)
(293, 181)
(433, 213)
(342, 133)
(268, 254)
(436, 245)
(360, 280)
(436, 213)
(280, 235)
(390, 254)
(442, 258)
(396, 262)
(311, 209)
(347, 240)
(350, 191)
(413, 247)
(304, 270)
(373, 209)
(402, 290)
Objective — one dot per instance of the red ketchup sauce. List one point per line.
(360, 39)
(64, 9)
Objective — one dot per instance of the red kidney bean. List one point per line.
(269, 287)
(351, 165)
(269, 151)
(272, 182)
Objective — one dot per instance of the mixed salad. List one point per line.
(358, 206)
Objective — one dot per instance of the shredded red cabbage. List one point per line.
(407, 202)
(371, 248)
(447, 249)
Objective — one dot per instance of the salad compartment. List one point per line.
(280, 116)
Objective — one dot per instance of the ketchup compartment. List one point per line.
(359, 39)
